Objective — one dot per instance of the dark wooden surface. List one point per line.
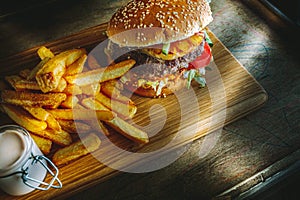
(249, 151)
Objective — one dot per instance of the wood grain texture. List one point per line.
(189, 114)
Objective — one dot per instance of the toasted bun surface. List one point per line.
(142, 23)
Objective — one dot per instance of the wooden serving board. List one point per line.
(231, 93)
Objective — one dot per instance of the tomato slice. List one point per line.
(202, 60)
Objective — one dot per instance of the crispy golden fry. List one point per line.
(43, 143)
(110, 89)
(61, 85)
(32, 74)
(81, 114)
(72, 89)
(76, 150)
(92, 62)
(50, 100)
(91, 89)
(27, 85)
(37, 112)
(48, 77)
(77, 66)
(24, 73)
(44, 52)
(128, 130)
(19, 83)
(61, 138)
(53, 123)
(102, 74)
(124, 110)
(72, 127)
(93, 104)
(70, 102)
(23, 118)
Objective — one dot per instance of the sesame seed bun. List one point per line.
(142, 23)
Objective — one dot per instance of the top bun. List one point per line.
(142, 23)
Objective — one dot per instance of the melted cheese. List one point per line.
(177, 49)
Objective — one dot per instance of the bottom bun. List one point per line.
(170, 88)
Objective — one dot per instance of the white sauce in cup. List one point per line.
(16, 149)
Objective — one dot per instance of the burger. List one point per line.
(168, 41)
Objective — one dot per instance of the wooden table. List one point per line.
(249, 151)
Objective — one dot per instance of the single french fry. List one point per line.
(101, 74)
(50, 100)
(93, 104)
(110, 89)
(37, 112)
(78, 149)
(26, 85)
(61, 138)
(52, 123)
(91, 89)
(23, 118)
(43, 143)
(128, 130)
(81, 114)
(77, 66)
(70, 102)
(32, 74)
(44, 52)
(124, 110)
(49, 75)
(74, 127)
(72, 89)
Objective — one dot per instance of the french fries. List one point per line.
(49, 100)
(91, 89)
(44, 52)
(124, 110)
(21, 117)
(43, 143)
(93, 104)
(110, 89)
(128, 130)
(72, 89)
(33, 72)
(77, 66)
(72, 127)
(101, 74)
(20, 83)
(49, 75)
(61, 138)
(60, 97)
(76, 150)
(70, 102)
(52, 123)
(81, 114)
(37, 112)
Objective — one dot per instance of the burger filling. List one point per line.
(160, 65)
